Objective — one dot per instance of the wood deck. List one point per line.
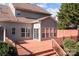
(35, 48)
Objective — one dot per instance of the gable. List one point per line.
(48, 22)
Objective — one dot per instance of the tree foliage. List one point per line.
(68, 15)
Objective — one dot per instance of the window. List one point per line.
(36, 33)
(47, 35)
(18, 13)
(13, 31)
(25, 32)
(43, 32)
(47, 32)
(43, 35)
(55, 32)
(52, 32)
(22, 32)
(22, 29)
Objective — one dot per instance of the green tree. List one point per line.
(68, 16)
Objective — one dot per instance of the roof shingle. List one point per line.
(30, 7)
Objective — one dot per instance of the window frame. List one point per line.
(26, 32)
(13, 31)
(43, 33)
(22, 32)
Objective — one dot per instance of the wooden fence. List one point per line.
(62, 34)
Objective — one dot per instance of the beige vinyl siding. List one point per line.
(18, 27)
(47, 28)
(49, 22)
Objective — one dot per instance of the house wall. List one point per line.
(48, 26)
(49, 22)
(18, 26)
(28, 14)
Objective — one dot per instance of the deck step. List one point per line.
(56, 54)
(46, 53)
(38, 53)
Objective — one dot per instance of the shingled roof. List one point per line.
(7, 16)
(30, 7)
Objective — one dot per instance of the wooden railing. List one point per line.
(57, 48)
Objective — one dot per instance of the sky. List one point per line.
(53, 8)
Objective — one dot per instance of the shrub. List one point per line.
(69, 46)
(69, 43)
(7, 49)
(77, 46)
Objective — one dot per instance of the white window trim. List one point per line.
(22, 32)
(45, 33)
(26, 33)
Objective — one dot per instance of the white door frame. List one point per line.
(37, 26)
(35, 34)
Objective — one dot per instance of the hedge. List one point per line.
(7, 50)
